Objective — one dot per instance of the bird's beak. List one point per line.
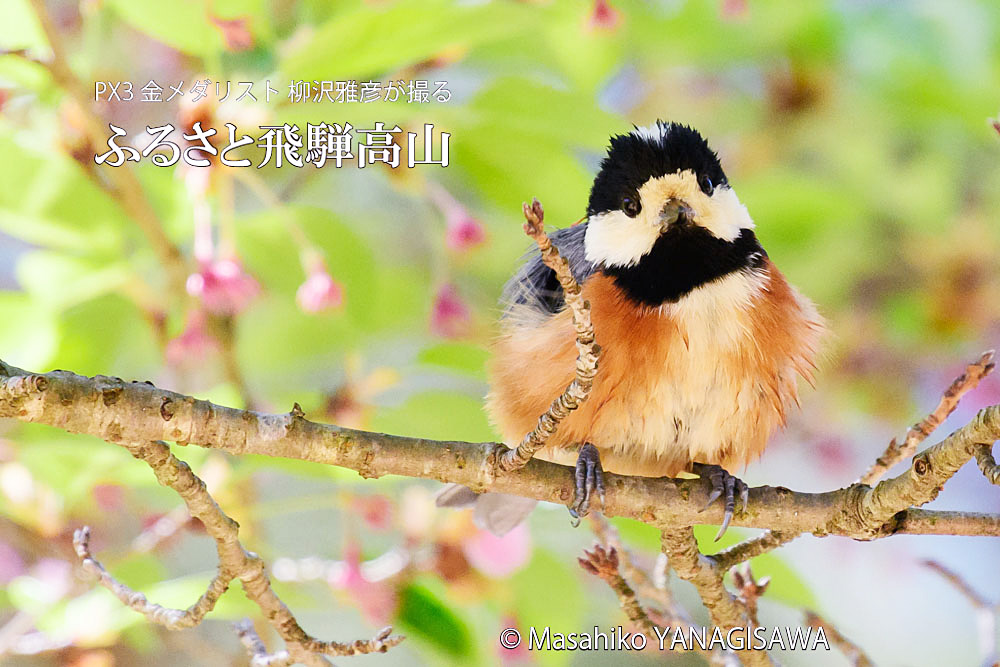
(675, 212)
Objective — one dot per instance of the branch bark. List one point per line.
(234, 562)
(128, 412)
(588, 351)
(963, 384)
(851, 651)
(725, 610)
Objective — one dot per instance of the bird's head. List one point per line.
(661, 210)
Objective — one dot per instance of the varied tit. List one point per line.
(702, 337)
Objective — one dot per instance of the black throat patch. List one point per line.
(682, 259)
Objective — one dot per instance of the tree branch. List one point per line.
(125, 186)
(751, 548)
(987, 464)
(125, 412)
(172, 619)
(850, 650)
(603, 563)
(588, 351)
(725, 610)
(963, 384)
(234, 562)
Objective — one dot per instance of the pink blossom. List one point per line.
(603, 16)
(194, 344)
(235, 32)
(517, 654)
(11, 563)
(109, 497)
(499, 556)
(56, 577)
(375, 510)
(450, 316)
(377, 600)
(734, 9)
(319, 292)
(463, 231)
(223, 286)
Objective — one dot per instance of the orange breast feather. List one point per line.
(706, 379)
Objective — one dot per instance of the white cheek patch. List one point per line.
(724, 215)
(614, 239)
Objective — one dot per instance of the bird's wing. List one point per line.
(534, 290)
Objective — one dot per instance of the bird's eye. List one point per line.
(706, 184)
(631, 206)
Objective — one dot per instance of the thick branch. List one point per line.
(120, 411)
(725, 610)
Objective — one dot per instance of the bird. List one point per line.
(703, 339)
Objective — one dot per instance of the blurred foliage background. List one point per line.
(856, 131)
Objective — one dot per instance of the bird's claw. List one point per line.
(589, 477)
(724, 486)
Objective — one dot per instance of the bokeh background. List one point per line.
(857, 132)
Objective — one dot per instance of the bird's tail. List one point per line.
(498, 513)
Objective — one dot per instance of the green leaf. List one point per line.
(58, 280)
(182, 24)
(373, 38)
(108, 335)
(463, 358)
(438, 415)
(48, 201)
(548, 593)
(423, 614)
(28, 336)
(20, 29)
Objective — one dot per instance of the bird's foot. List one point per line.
(589, 477)
(724, 486)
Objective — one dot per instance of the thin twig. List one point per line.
(986, 612)
(172, 619)
(654, 587)
(604, 564)
(234, 562)
(987, 464)
(850, 650)
(751, 589)
(644, 583)
(751, 548)
(959, 583)
(588, 351)
(895, 452)
(259, 657)
(126, 186)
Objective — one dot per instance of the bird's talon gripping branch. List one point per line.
(589, 477)
(724, 486)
